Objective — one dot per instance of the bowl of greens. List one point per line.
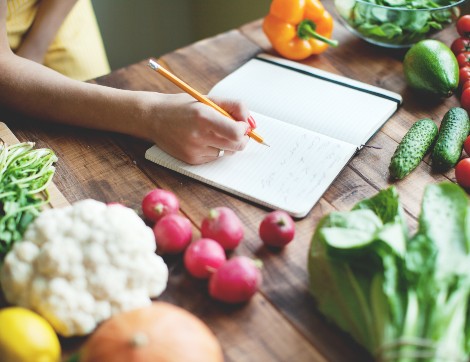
(397, 23)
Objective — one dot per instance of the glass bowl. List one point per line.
(398, 26)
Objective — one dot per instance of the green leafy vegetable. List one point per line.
(397, 22)
(24, 173)
(404, 298)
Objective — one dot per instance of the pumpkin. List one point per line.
(161, 332)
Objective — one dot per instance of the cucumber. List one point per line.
(454, 129)
(412, 148)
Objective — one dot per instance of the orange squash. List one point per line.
(161, 332)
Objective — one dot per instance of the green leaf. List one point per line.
(444, 16)
(420, 259)
(396, 3)
(350, 229)
(444, 218)
(400, 298)
(349, 251)
(385, 205)
(393, 236)
(379, 15)
(395, 26)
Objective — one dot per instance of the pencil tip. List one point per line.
(264, 143)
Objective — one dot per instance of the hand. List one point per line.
(194, 132)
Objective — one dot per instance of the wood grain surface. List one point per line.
(281, 323)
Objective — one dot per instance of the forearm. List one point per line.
(177, 123)
(49, 18)
(37, 91)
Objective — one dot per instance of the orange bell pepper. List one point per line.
(298, 28)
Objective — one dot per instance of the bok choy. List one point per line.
(404, 298)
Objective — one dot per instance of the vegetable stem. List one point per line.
(140, 339)
(306, 30)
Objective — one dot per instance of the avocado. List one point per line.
(431, 67)
(412, 148)
(455, 127)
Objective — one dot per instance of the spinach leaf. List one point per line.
(399, 22)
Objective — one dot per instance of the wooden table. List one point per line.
(281, 322)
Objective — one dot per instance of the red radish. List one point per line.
(203, 257)
(223, 226)
(277, 229)
(236, 281)
(158, 203)
(173, 233)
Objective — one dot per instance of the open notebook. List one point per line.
(314, 121)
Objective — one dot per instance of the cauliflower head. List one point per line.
(81, 264)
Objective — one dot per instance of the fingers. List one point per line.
(234, 132)
(226, 134)
(232, 145)
(214, 153)
(237, 110)
(223, 127)
(209, 154)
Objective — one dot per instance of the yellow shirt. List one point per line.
(77, 50)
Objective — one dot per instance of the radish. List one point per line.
(203, 257)
(277, 229)
(158, 203)
(223, 226)
(173, 233)
(236, 281)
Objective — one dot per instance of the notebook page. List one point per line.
(324, 106)
(290, 175)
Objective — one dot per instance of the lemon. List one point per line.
(431, 67)
(26, 337)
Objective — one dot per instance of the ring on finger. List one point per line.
(221, 153)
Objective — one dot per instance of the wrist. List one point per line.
(147, 114)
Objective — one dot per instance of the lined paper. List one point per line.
(309, 102)
(291, 175)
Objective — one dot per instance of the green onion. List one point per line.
(25, 173)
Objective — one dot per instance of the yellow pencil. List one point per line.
(188, 89)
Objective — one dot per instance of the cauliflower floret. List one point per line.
(79, 265)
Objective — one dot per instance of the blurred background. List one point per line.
(135, 30)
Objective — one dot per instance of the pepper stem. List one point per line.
(306, 30)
